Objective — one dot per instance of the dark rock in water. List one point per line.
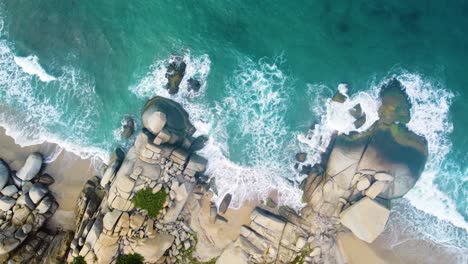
(199, 143)
(212, 185)
(45, 179)
(175, 73)
(128, 127)
(395, 106)
(176, 119)
(339, 97)
(225, 203)
(360, 121)
(193, 85)
(356, 111)
(306, 169)
(301, 156)
(4, 173)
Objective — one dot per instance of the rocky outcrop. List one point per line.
(348, 193)
(25, 206)
(110, 222)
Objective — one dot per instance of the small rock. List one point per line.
(45, 179)
(187, 245)
(363, 184)
(356, 111)
(367, 172)
(31, 167)
(9, 190)
(383, 176)
(128, 127)
(301, 242)
(360, 121)
(6, 203)
(301, 156)
(340, 96)
(315, 252)
(175, 73)
(157, 188)
(375, 189)
(193, 85)
(213, 214)
(225, 203)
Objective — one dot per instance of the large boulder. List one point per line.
(4, 174)
(366, 219)
(160, 112)
(37, 192)
(152, 249)
(395, 150)
(31, 167)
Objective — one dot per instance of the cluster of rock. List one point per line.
(350, 191)
(25, 205)
(162, 158)
(175, 73)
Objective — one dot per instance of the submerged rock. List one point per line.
(395, 103)
(301, 156)
(175, 73)
(356, 111)
(360, 121)
(128, 127)
(193, 85)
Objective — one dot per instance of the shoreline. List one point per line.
(69, 171)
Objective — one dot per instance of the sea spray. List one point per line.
(252, 110)
(30, 65)
(429, 118)
(41, 113)
(335, 117)
(255, 157)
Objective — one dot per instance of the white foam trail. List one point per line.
(52, 157)
(253, 121)
(430, 118)
(255, 103)
(335, 117)
(30, 65)
(28, 112)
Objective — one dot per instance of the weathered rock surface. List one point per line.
(31, 167)
(24, 208)
(366, 218)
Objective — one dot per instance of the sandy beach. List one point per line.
(69, 171)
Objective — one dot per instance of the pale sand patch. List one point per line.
(69, 171)
(214, 238)
(356, 251)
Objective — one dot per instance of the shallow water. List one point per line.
(71, 70)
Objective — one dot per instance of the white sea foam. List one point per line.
(41, 111)
(335, 117)
(429, 118)
(256, 103)
(30, 65)
(252, 120)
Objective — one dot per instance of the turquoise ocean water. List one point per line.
(70, 70)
